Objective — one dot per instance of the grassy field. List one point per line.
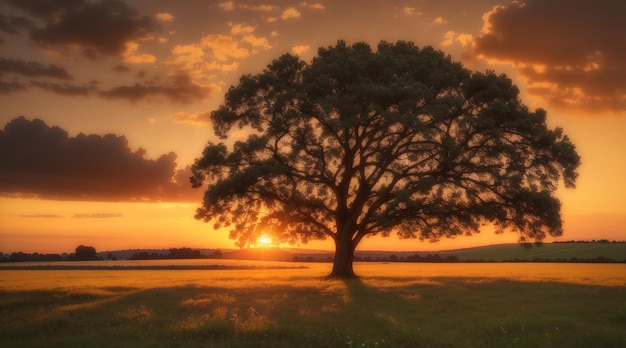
(548, 251)
(394, 305)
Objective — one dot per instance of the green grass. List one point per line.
(299, 308)
(549, 251)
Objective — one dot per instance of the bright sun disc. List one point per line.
(264, 240)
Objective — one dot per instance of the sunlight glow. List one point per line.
(264, 240)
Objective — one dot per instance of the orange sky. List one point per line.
(151, 71)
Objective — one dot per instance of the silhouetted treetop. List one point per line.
(85, 253)
(361, 142)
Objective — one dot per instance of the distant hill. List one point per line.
(570, 251)
(551, 252)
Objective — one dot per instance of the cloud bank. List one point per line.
(96, 28)
(571, 52)
(32, 69)
(98, 215)
(179, 88)
(45, 162)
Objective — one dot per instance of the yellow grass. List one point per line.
(391, 305)
(375, 274)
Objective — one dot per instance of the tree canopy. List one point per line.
(362, 142)
(85, 253)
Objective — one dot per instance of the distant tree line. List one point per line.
(436, 258)
(89, 253)
(390, 258)
(176, 253)
(81, 253)
(25, 257)
(599, 259)
(590, 241)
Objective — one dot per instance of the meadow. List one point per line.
(389, 305)
(547, 251)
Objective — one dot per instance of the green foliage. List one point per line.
(361, 142)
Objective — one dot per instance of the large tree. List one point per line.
(361, 143)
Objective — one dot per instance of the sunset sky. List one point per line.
(123, 91)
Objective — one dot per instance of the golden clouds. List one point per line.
(186, 56)
(451, 37)
(227, 5)
(252, 40)
(223, 47)
(237, 29)
(255, 41)
(440, 20)
(274, 13)
(193, 118)
(231, 6)
(571, 53)
(130, 56)
(290, 12)
(299, 49)
(258, 8)
(164, 16)
(219, 52)
(316, 6)
(191, 58)
(411, 11)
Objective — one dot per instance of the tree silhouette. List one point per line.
(85, 253)
(361, 143)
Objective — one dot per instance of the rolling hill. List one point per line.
(548, 252)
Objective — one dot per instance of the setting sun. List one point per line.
(264, 240)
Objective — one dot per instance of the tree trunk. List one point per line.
(344, 255)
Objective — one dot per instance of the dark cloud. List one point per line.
(98, 28)
(42, 161)
(179, 88)
(13, 25)
(46, 8)
(98, 215)
(38, 216)
(7, 88)
(572, 52)
(67, 89)
(121, 68)
(32, 69)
